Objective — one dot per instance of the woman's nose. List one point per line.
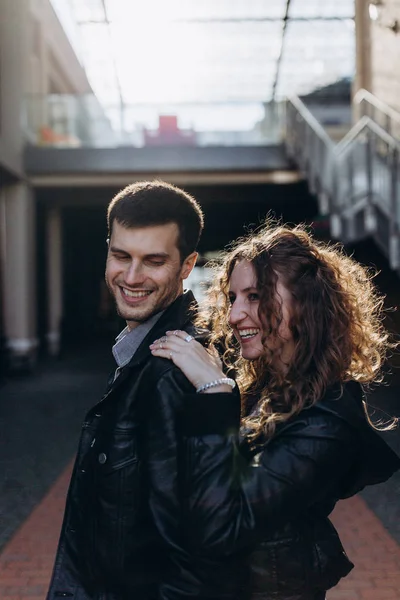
(237, 313)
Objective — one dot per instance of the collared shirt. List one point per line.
(128, 341)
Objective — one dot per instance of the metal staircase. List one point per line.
(356, 181)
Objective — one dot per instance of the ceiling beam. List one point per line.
(233, 20)
(114, 62)
(280, 55)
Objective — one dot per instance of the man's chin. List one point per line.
(141, 314)
(132, 317)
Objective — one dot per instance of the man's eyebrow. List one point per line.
(156, 255)
(118, 250)
(163, 255)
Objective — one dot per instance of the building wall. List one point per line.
(14, 47)
(61, 71)
(378, 53)
(385, 55)
(36, 57)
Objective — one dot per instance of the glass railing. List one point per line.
(67, 121)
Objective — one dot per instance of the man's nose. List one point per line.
(134, 274)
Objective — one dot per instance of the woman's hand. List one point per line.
(200, 365)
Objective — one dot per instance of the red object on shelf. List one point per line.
(169, 134)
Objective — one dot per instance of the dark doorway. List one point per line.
(84, 254)
(229, 211)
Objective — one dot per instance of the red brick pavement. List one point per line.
(27, 560)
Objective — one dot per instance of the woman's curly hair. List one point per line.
(336, 323)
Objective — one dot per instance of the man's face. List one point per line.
(144, 271)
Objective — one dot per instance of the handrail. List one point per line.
(382, 106)
(357, 190)
(358, 128)
(364, 123)
(311, 120)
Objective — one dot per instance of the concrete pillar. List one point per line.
(54, 280)
(3, 354)
(20, 276)
(37, 101)
(363, 77)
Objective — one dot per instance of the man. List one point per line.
(124, 534)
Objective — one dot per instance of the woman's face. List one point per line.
(244, 319)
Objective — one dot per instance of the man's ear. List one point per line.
(188, 265)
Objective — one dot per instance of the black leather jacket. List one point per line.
(277, 498)
(124, 535)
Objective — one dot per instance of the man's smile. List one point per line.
(134, 295)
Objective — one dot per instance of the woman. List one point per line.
(301, 324)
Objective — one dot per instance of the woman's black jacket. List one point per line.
(278, 502)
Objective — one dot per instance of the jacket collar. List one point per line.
(178, 315)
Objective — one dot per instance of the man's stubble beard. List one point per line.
(171, 294)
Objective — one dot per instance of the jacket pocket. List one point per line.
(117, 476)
(115, 519)
(278, 567)
(331, 560)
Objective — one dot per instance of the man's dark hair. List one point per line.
(149, 203)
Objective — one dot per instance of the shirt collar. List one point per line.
(128, 341)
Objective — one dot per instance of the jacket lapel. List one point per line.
(177, 316)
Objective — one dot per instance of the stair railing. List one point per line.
(311, 149)
(357, 181)
(370, 106)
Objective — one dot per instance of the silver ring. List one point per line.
(161, 345)
(189, 338)
(170, 354)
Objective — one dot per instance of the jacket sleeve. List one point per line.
(234, 503)
(166, 465)
(163, 470)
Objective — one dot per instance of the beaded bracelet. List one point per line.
(211, 384)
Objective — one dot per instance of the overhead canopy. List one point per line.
(212, 51)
